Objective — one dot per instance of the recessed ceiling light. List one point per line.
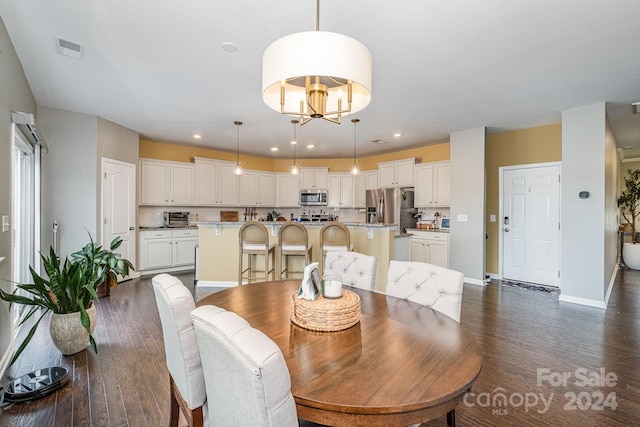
(397, 134)
(196, 136)
(229, 47)
(379, 141)
(274, 148)
(311, 146)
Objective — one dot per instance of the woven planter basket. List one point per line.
(326, 315)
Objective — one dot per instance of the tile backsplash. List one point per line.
(152, 216)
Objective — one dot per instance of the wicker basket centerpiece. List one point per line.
(324, 314)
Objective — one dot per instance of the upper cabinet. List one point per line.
(216, 183)
(366, 180)
(257, 188)
(432, 184)
(288, 190)
(340, 190)
(314, 178)
(398, 173)
(166, 183)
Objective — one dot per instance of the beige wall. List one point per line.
(534, 145)
(184, 153)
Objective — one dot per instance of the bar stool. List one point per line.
(293, 240)
(254, 240)
(334, 236)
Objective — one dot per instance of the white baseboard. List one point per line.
(582, 301)
(610, 288)
(475, 281)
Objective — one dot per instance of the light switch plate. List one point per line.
(492, 218)
(462, 218)
(5, 223)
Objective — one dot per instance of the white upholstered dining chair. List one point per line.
(353, 268)
(246, 377)
(433, 286)
(427, 284)
(186, 381)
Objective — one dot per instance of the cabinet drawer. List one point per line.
(155, 234)
(185, 233)
(438, 236)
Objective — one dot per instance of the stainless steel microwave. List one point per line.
(313, 198)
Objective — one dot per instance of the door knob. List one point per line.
(132, 228)
(506, 230)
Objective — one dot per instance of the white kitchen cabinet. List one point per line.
(432, 184)
(166, 183)
(257, 189)
(317, 178)
(288, 194)
(398, 173)
(184, 245)
(216, 183)
(371, 179)
(430, 247)
(167, 250)
(340, 190)
(266, 189)
(366, 180)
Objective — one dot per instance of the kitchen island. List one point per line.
(218, 248)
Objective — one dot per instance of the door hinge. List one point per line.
(558, 226)
(105, 221)
(558, 274)
(105, 175)
(558, 178)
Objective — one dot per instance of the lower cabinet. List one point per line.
(167, 250)
(430, 247)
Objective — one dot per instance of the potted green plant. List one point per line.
(69, 291)
(629, 203)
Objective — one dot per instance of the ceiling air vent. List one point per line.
(68, 48)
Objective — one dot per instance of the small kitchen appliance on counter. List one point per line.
(176, 219)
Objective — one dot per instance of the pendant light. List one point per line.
(238, 168)
(355, 170)
(294, 142)
(316, 74)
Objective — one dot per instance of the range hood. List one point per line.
(27, 125)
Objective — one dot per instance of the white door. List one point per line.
(531, 224)
(119, 207)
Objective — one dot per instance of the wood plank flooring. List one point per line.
(520, 332)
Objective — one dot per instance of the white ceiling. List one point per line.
(158, 67)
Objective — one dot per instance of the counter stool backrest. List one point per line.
(335, 235)
(246, 376)
(253, 233)
(353, 268)
(427, 284)
(294, 234)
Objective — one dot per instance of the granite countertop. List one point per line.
(424, 230)
(163, 227)
(305, 223)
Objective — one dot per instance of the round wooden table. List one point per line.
(402, 364)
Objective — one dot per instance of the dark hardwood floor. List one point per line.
(525, 336)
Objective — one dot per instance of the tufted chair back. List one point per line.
(353, 268)
(175, 304)
(246, 376)
(427, 284)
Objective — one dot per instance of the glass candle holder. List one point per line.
(331, 287)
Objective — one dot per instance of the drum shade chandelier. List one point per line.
(316, 74)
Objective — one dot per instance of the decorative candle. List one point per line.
(332, 288)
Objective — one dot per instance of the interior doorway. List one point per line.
(119, 207)
(530, 223)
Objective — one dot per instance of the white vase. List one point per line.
(67, 332)
(631, 255)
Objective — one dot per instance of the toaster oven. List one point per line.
(176, 219)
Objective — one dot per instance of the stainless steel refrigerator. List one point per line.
(392, 206)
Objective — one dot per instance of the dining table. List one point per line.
(403, 363)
